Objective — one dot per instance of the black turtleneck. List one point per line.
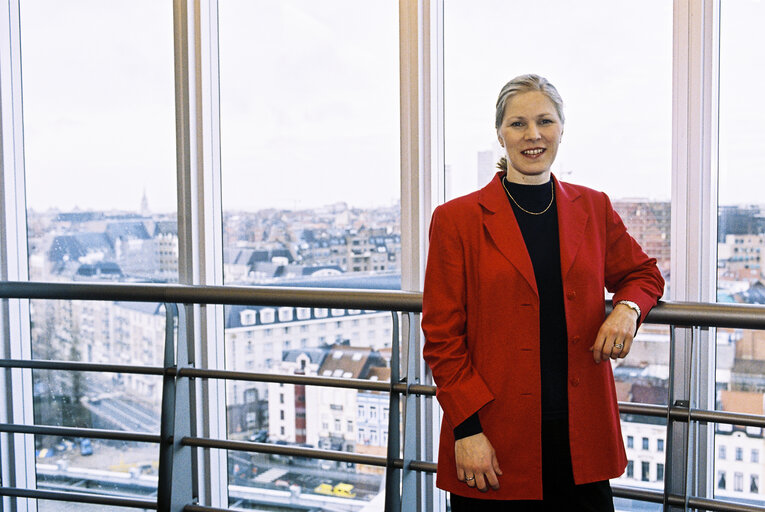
(540, 234)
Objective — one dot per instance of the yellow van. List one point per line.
(344, 490)
(323, 489)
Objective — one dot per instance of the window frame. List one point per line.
(195, 28)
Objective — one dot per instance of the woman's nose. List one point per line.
(532, 132)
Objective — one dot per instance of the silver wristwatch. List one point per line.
(632, 306)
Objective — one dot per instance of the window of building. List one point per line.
(721, 479)
(630, 442)
(721, 452)
(645, 471)
(754, 484)
(739, 453)
(755, 455)
(660, 472)
(645, 443)
(660, 445)
(738, 482)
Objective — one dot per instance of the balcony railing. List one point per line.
(176, 441)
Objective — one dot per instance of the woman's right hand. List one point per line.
(475, 457)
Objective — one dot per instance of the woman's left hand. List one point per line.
(614, 338)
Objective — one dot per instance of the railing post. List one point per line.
(393, 475)
(409, 476)
(174, 489)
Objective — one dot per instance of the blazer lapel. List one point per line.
(503, 229)
(572, 221)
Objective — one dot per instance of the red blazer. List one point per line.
(480, 317)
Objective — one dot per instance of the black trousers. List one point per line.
(558, 489)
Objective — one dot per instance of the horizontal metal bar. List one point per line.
(92, 433)
(688, 314)
(309, 380)
(78, 497)
(721, 506)
(311, 453)
(202, 508)
(425, 467)
(77, 366)
(422, 389)
(659, 411)
(633, 493)
(728, 418)
(245, 295)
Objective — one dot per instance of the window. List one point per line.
(754, 484)
(660, 472)
(645, 471)
(350, 426)
(739, 453)
(721, 452)
(645, 443)
(337, 425)
(738, 482)
(660, 445)
(281, 414)
(630, 442)
(721, 479)
(755, 455)
(630, 469)
(99, 175)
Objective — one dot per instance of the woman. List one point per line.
(515, 328)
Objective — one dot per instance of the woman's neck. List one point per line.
(514, 176)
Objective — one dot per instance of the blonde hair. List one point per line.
(519, 85)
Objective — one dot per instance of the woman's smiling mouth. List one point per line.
(533, 152)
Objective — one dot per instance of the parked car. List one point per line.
(324, 489)
(86, 447)
(344, 490)
(261, 436)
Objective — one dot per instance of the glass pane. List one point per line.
(310, 185)
(615, 79)
(740, 243)
(99, 135)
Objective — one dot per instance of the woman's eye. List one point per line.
(516, 124)
(546, 121)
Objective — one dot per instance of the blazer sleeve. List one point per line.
(629, 274)
(460, 389)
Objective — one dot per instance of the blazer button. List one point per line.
(575, 381)
(575, 340)
(571, 294)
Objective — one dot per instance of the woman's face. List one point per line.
(530, 133)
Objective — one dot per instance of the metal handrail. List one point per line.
(682, 314)
(677, 314)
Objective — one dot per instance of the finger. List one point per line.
(461, 474)
(471, 482)
(616, 349)
(480, 482)
(492, 479)
(608, 346)
(627, 348)
(597, 347)
(495, 465)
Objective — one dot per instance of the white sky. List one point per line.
(309, 108)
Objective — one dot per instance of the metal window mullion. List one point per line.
(199, 223)
(16, 393)
(694, 207)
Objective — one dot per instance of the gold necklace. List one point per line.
(552, 189)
